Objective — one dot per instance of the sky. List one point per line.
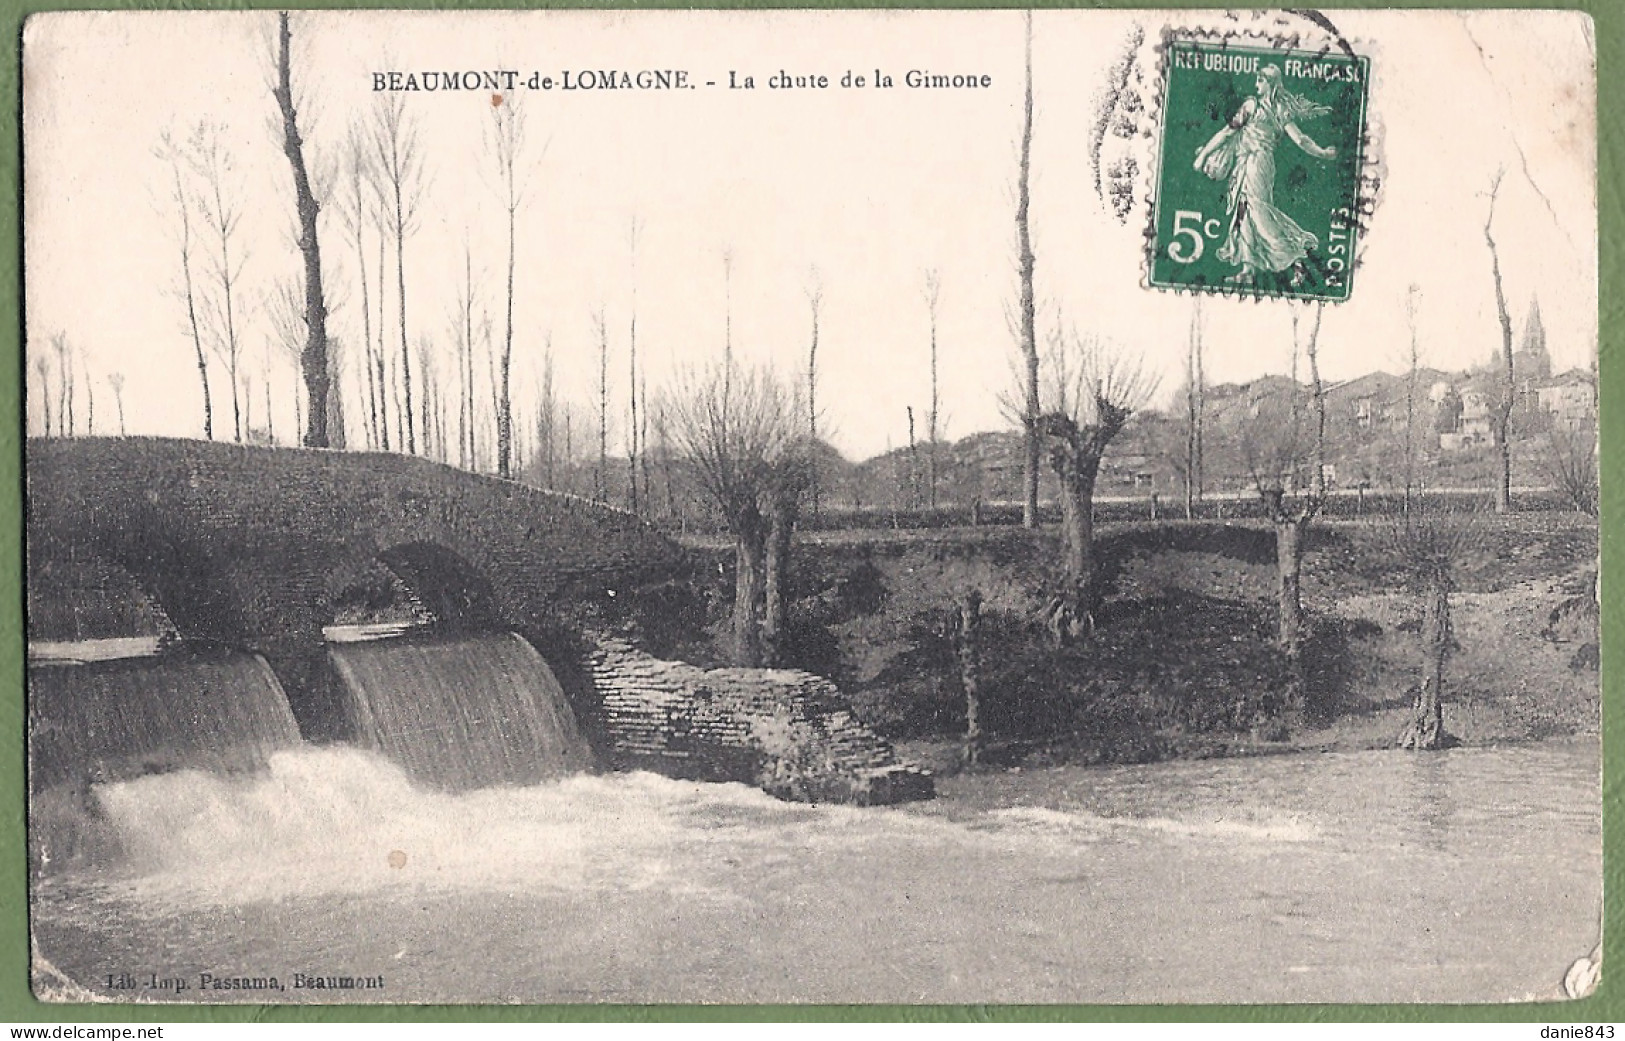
(857, 191)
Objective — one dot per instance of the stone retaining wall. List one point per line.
(789, 732)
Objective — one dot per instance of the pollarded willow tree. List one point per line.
(1093, 390)
(740, 431)
(1284, 446)
(1427, 546)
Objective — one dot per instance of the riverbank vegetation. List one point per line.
(1184, 659)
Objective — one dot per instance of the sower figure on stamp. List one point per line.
(1261, 237)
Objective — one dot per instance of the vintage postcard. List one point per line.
(787, 506)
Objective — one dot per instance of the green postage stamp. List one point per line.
(1258, 190)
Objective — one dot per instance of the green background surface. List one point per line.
(18, 1005)
(1196, 104)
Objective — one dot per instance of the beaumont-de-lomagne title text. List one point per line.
(505, 80)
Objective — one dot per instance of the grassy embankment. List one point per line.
(1183, 662)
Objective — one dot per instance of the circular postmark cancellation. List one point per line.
(1263, 173)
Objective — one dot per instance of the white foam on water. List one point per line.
(341, 819)
(344, 820)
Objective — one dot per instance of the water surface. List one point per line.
(1469, 875)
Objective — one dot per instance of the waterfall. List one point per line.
(460, 712)
(102, 722)
(221, 711)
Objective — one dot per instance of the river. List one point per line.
(1468, 875)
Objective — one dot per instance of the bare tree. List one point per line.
(315, 362)
(380, 356)
(493, 379)
(1193, 413)
(632, 430)
(1412, 374)
(1502, 416)
(430, 401)
(1276, 449)
(600, 475)
(1427, 545)
(547, 419)
(283, 306)
(270, 413)
(663, 449)
(815, 303)
(355, 211)
(463, 336)
(90, 398)
(222, 214)
(933, 292)
(788, 476)
(913, 461)
(182, 197)
(1027, 316)
(1317, 397)
(506, 141)
(115, 380)
(1094, 389)
(737, 430)
(401, 182)
(64, 382)
(42, 374)
(643, 441)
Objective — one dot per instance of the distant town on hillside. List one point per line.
(1430, 428)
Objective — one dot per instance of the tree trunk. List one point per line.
(749, 592)
(1318, 391)
(780, 526)
(378, 361)
(313, 361)
(967, 648)
(1411, 378)
(335, 400)
(632, 413)
(812, 405)
(1193, 406)
(197, 336)
(1288, 570)
(932, 431)
(1072, 614)
(1425, 731)
(1503, 413)
(371, 415)
(45, 393)
(1200, 410)
(411, 441)
(1503, 438)
(1028, 313)
(505, 399)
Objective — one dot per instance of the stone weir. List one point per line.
(791, 733)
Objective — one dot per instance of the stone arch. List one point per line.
(458, 595)
(181, 583)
